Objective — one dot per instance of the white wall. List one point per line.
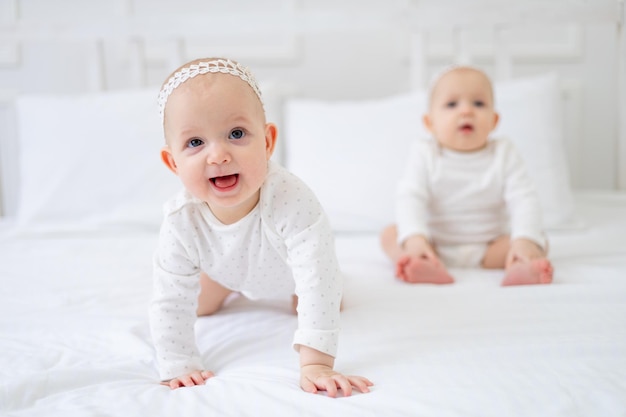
(329, 49)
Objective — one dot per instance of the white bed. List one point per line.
(75, 338)
(82, 191)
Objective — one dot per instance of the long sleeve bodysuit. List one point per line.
(467, 197)
(284, 246)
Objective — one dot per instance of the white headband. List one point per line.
(225, 66)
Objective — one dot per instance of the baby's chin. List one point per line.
(465, 147)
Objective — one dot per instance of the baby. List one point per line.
(242, 224)
(466, 200)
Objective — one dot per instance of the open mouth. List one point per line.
(225, 182)
(466, 128)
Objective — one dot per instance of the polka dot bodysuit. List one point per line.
(284, 246)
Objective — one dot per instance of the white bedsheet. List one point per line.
(74, 338)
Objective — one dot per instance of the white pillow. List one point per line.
(352, 153)
(91, 162)
(531, 116)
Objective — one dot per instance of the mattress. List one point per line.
(75, 341)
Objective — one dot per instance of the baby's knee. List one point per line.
(207, 310)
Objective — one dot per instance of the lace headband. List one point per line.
(225, 66)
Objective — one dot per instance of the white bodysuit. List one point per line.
(284, 246)
(467, 199)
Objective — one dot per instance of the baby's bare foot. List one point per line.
(537, 271)
(425, 271)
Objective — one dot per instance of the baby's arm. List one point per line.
(523, 206)
(413, 199)
(316, 373)
(172, 319)
(417, 246)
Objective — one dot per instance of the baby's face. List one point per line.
(461, 114)
(218, 142)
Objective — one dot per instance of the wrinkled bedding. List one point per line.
(74, 336)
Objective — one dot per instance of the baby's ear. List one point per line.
(168, 159)
(428, 123)
(271, 133)
(496, 119)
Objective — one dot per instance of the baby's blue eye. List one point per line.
(236, 134)
(451, 104)
(195, 142)
(479, 103)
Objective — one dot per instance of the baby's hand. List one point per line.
(324, 378)
(415, 247)
(524, 250)
(189, 380)
(419, 247)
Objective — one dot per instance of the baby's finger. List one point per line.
(174, 383)
(344, 384)
(330, 386)
(308, 386)
(197, 378)
(361, 383)
(187, 381)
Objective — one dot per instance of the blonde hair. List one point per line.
(434, 81)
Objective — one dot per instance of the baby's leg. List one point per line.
(212, 296)
(496, 253)
(389, 243)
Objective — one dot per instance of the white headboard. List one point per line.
(326, 49)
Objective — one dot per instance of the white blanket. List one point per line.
(74, 338)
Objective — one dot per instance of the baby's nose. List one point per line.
(218, 154)
(466, 107)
